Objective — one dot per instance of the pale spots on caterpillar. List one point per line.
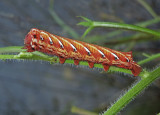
(94, 49)
(51, 42)
(41, 38)
(76, 50)
(34, 40)
(44, 33)
(60, 43)
(127, 59)
(31, 43)
(40, 46)
(116, 57)
(88, 52)
(33, 46)
(103, 56)
(34, 29)
(54, 37)
(42, 43)
(124, 55)
(105, 50)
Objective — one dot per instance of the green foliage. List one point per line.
(60, 22)
(133, 92)
(40, 56)
(92, 24)
(82, 111)
(147, 77)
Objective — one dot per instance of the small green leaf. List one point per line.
(87, 31)
(84, 18)
(133, 92)
(86, 24)
(150, 58)
(146, 55)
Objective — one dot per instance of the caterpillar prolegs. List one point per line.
(64, 48)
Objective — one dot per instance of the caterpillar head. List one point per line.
(28, 41)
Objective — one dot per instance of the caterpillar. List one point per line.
(64, 48)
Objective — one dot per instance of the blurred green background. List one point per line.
(39, 88)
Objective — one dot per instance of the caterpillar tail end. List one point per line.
(136, 69)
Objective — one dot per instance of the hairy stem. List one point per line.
(133, 92)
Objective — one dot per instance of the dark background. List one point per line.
(39, 88)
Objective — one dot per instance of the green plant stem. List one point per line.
(148, 22)
(148, 8)
(125, 26)
(81, 111)
(11, 49)
(63, 25)
(133, 92)
(150, 58)
(59, 21)
(41, 56)
(146, 55)
(92, 24)
(51, 4)
(103, 38)
(28, 56)
(139, 37)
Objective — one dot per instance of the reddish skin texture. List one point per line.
(39, 40)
